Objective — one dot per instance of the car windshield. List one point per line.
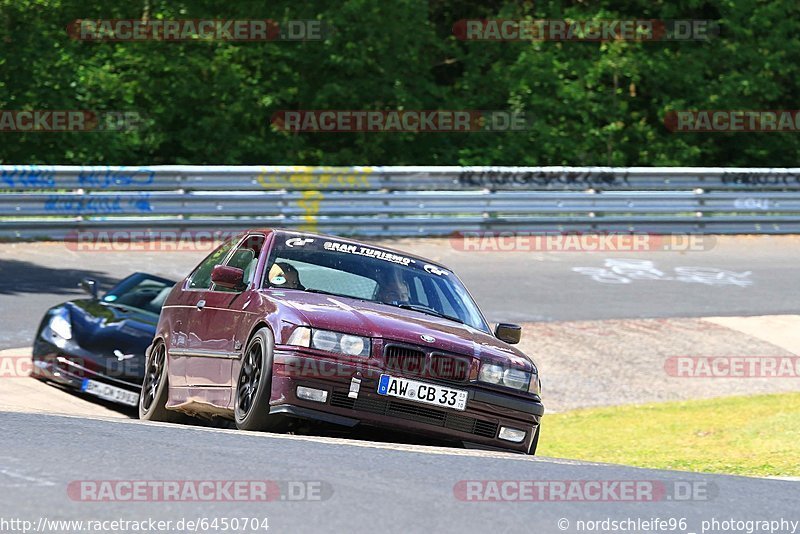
(140, 291)
(322, 265)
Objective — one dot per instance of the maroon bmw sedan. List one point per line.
(276, 326)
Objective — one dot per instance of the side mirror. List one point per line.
(89, 285)
(227, 277)
(510, 333)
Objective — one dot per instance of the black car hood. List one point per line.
(115, 337)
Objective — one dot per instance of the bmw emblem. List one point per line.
(428, 339)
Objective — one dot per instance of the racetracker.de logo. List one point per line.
(197, 30)
(445, 121)
(579, 242)
(198, 490)
(722, 120)
(74, 120)
(311, 368)
(583, 490)
(15, 366)
(584, 30)
(146, 241)
(733, 366)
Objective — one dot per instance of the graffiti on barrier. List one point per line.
(34, 177)
(302, 177)
(752, 203)
(760, 178)
(106, 179)
(585, 178)
(69, 204)
(28, 177)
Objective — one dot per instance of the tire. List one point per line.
(254, 385)
(155, 389)
(535, 442)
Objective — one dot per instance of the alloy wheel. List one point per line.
(249, 378)
(153, 376)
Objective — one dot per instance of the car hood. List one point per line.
(112, 334)
(390, 323)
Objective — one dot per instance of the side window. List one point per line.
(201, 278)
(246, 256)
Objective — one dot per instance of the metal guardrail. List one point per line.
(58, 201)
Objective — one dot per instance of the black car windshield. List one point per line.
(140, 291)
(323, 265)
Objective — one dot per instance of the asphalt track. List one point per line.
(363, 486)
(384, 486)
(731, 276)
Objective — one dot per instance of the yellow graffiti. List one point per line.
(300, 178)
(310, 206)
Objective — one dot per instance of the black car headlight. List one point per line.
(501, 375)
(60, 323)
(329, 341)
(59, 327)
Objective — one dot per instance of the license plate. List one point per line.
(110, 393)
(422, 392)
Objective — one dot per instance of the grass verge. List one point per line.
(755, 436)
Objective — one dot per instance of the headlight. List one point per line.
(352, 345)
(535, 387)
(491, 374)
(502, 376)
(60, 325)
(324, 340)
(301, 337)
(536, 383)
(330, 341)
(516, 378)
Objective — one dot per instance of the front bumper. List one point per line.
(69, 366)
(477, 426)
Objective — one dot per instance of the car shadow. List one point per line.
(298, 428)
(17, 277)
(359, 433)
(301, 428)
(368, 433)
(127, 411)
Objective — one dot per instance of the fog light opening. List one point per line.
(511, 434)
(311, 394)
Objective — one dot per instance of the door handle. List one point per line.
(201, 304)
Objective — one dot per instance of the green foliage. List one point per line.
(590, 103)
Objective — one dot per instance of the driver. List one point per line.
(392, 289)
(284, 275)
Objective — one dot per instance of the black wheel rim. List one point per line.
(152, 377)
(249, 379)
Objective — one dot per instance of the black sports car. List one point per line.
(97, 345)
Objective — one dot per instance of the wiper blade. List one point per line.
(319, 291)
(322, 292)
(428, 311)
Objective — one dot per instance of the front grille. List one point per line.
(446, 367)
(405, 360)
(413, 362)
(418, 413)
